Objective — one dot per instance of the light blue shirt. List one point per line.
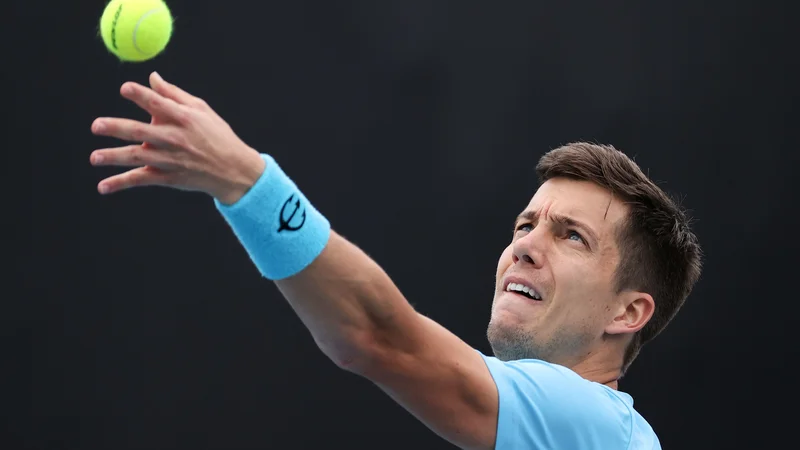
(547, 406)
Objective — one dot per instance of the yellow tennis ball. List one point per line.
(136, 30)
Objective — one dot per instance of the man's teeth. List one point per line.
(524, 289)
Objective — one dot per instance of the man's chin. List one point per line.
(509, 343)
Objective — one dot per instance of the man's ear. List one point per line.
(633, 312)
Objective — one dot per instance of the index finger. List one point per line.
(153, 102)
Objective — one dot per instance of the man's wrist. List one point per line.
(243, 177)
(277, 225)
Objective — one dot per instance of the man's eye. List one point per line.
(524, 227)
(575, 236)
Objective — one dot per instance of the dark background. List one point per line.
(414, 126)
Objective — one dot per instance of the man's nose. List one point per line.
(529, 249)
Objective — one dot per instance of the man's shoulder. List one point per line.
(548, 405)
(560, 388)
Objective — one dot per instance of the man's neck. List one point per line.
(600, 367)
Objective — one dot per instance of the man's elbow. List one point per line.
(371, 351)
(359, 352)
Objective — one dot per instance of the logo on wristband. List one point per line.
(289, 223)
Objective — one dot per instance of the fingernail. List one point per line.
(158, 77)
(97, 159)
(99, 126)
(127, 89)
(103, 189)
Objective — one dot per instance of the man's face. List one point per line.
(564, 248)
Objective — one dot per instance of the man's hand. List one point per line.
(186, 146)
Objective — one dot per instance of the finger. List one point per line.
(153, 121)
(173, 92)
(133, 155)
(153, 102)
(138, 177)
(132, 130)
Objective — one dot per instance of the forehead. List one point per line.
(580, 200)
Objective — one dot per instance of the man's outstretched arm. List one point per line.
(355, 313)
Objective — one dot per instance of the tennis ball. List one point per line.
(136, 30)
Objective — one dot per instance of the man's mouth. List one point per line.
(527, 291)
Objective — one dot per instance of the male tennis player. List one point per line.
(599, 263)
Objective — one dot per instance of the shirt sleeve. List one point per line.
(546, 406)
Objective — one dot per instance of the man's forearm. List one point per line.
(349, 304)
(345, 299)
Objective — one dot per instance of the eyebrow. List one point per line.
(533, 216)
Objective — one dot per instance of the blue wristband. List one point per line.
(277, 225)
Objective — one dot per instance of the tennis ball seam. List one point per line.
(136, 28)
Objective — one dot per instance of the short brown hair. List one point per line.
(659, 253)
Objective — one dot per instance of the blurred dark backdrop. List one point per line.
(414, 126)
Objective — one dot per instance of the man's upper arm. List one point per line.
(442, 381)
(481, 402)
